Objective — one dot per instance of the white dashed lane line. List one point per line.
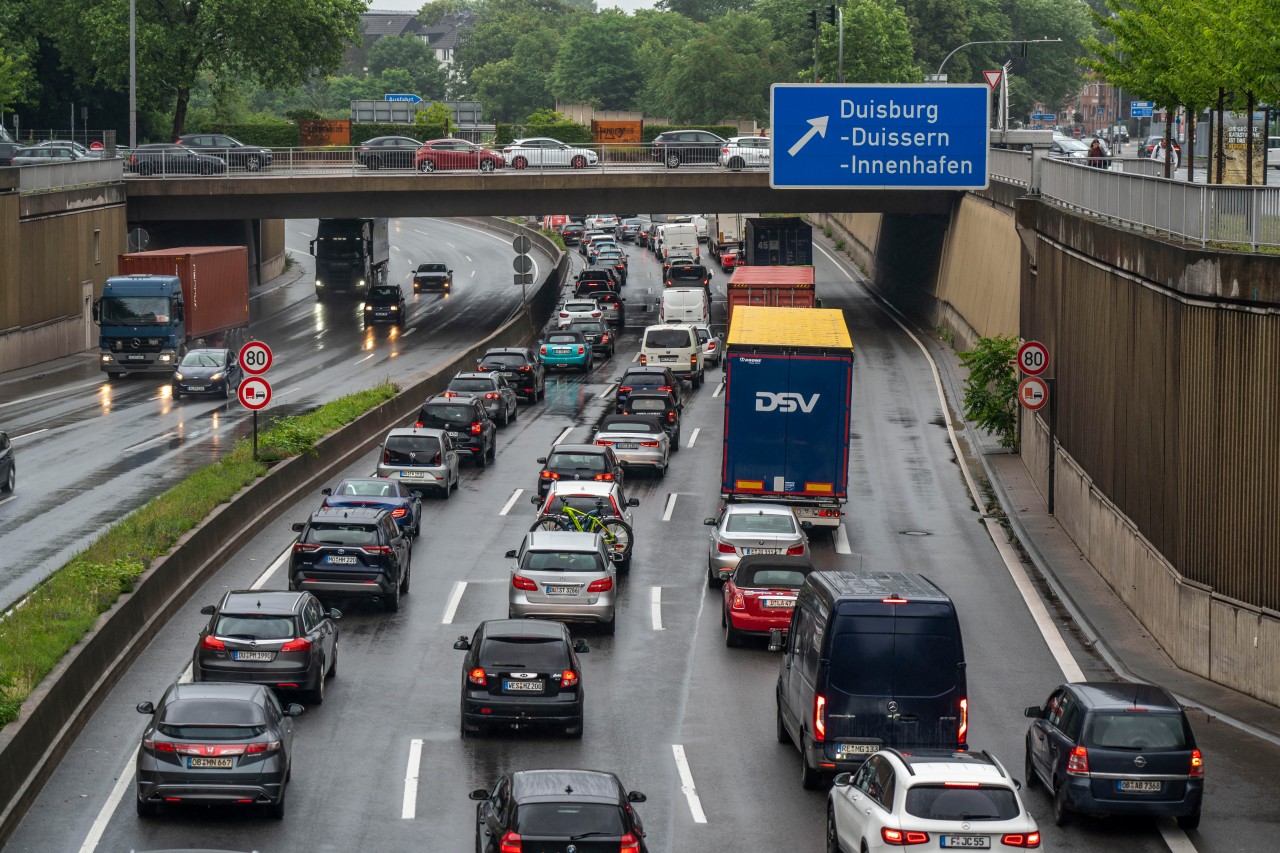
(562, 436)
(655, 607)
(719, 390)
(842, 541)
(686, 784)
(511, 501)
(671, 505)
(693, 436)
(410, 806)
(455, 597)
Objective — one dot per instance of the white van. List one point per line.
(684, 305)
(678, 239)
(673, 345)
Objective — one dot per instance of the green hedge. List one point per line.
(650, 132)
(272, 134)
(422, 132)
(567, 131)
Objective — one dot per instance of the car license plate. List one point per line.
(252, 655)
(522, 686)
(334, 558)
(453, 434)
(852, 750)
(785, 603)
(134, 357)
(413, 475)
(666, 358)
(627, 445)
(213, 763)
(1130, 786)
(966, 842)
(560, 350)
(195, 387)
(746, 551)
(558, 589)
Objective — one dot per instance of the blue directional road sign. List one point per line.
(879, 136)
(413, 99)
(1043, 117)
(1140, 109)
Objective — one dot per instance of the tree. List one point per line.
(937, 28)
(500, 25)
(1052, 72)
(413, 55)
(703, 10)
(513, 87)
(15, 78)
(597, 63)
(990, 389)
(434, 11)
(877, 45)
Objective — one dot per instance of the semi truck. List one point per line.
(351, 255)
(726, 231)
(777, 241)
(165, 302)
(788, 385)
(772, 287)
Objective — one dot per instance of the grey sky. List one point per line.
(415, 5)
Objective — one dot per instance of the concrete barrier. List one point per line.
(59, 707)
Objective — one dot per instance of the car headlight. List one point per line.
(395, 307)
(217, 377)
(319, 283)
(177, 376)
(166, 357)
(107, 357)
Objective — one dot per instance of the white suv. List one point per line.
(745, 152)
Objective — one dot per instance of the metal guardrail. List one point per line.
(43, 177)
(1010, 166)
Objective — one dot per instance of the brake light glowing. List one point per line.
(301, 644)
(819, 717)
(399, 512)
(475, 428)
(604, 442)
(903, 837)
(449, 394)
(604, 477)
(510, 843)
(604, 339)
(671, 417)
(795, 550)
(542, 350)
(1197, 764)
(476, 676)
(416, 425)
(893, 600)
(602, 585)
(522, 582)
(626, 389)
(725, 548)
(581, 350)
(961, 785)
(962, 736)
(1018, 839)
(550, 475)
(648, 444)
(630, 844)
(666, 388)
(213, 644)
(693, 359)
(644, 359)
(1078, 762)
(568, 678)
(739, 602)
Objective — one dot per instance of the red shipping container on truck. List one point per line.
(215, 283)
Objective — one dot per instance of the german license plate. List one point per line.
(666, 358)
(784, 603)
(195, 387)
(522, 686)
(413, 475)
(453, 434)
(1130, 786)
(211, 763)
(746, 551)
(628, 445)
(334, 558)
(560, 350)
(966, 842)
(252, 655)
(560, 589)
(134, 357)
(853, 750)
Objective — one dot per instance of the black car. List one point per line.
(571, 233)
(7, 150)
(587, 811)
(384, 303)
(578, 462)
(281, 638)
(597, 334)
(647, 379)
(1115, 748)
(387, 493)
(434, 276)
(519, 673)
(658, 404)
(687, 146)
(467, 423)
(598, 276)
(521, 368)
(388, 152)
(215, 743)
(207, 371)
(8, 467)
(237, 155)
(354, 552)
(687, 275)
(165, 158)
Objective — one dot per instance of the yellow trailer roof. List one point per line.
(756, 325)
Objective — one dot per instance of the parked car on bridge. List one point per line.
(443, 154)
(165, 158)
(388, 152)
(745, 152)
(237, 155)
(37, 154)
(544, 152)
(675, 147)
(7, 150)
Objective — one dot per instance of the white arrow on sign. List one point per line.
(819, 127)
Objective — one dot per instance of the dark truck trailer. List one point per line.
(777, 241)
(788, 385)
(351, 255)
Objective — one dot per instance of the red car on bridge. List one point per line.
(453, 154)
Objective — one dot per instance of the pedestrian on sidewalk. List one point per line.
(1097, 157)
(1166, 153)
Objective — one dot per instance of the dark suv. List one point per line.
(352, 552)
(597, 334)
(687, 146)
(578, 462)
(1115, 748)
(467, 423)
(521, 369)
(646, 379)
(237, 155)
(571, 233)
(384, 303)
(557, 807)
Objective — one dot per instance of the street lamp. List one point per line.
(1009, 41)
(133, 76)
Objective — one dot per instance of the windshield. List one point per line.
(412, 449)
(563, 339)
(761, 523)
(431, 268)
(340, 533)
(255, 627)
(629, 426)
(564, 562)
(770, 577)
(367, 489)
(667, 338)
(646, 404)
(503, 361)
(559, 820)
(1136, 730)
(384, 295)
(135, 310)
(203, 358)
(938, 802)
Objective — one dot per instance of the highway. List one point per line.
(669, 707)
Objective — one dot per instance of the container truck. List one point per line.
(167, 301)
(351, 255)
(773, 287)
(777, 241)
(725, 231)
(788, 381)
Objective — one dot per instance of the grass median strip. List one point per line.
(60, 611)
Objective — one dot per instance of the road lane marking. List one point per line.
(635, 358)
(410, 332)
(473, 273)
(2, 503)
(109, 807)
(693, 436)
(366, 358)
(150, 441)
(686, 784)
(469, 259)
(671, 505)
(28, 434)
(655, 607)
(719, 389)
(606, 392)
(511, 501)
(562, 436)
(842, 540)
(410, 806)
(451, 609)
(271, 569)
(60, 391)
(1174, 837)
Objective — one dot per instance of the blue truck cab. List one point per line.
(141, 324)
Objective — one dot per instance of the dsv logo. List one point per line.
(787, 401)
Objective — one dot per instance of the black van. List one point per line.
(872, 659)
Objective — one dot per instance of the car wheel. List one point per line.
(10, 481)
(578, 162)
(1191, 821)
(486, 165)
(624, 567)
(404, 582)
(506, 417)
(333, 662)
(736, 164)
(253, 163)
(1032, 781)
(148, 809)
(482, 458)
(673, 160)
(675, 442)
(810, 778)
(732, 636)
(713, 579)
(226, 390)
(391, 603)
(493, 450)
(515, 411)
(146, 169)
(427, 166)
(373, 163)
(542, 395)
(276, 809)
(833, 838)
(608, 628)
(177, 395)
(448, 490)
(519, 163)
(782, 734)
(1060, 812)
(316, 695)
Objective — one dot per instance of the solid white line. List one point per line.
(5, 501)
(410, 806)
(671, 505)
(271, 569)
(655, 607)
(304, 234)
(635, 358)
(1174, 837)
(562, 436)
(123, 783)
(410, 332)
(59, 392)
(450, 245)
(693, 436)
(842, 540)
(473, 273)
(511, 501)
(686, 784)
(455, 597)
(606, 392)
(150, 441)
(366, 358)
(719, 390)
(28, 434)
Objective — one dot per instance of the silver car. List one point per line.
(752, 528)
(562, 575)
(492, 390)
(423, 459)
(712, 344)
(639, 441)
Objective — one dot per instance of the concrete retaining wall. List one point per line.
(43, 342)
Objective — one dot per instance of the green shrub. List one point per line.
(650, 131)
(272, 134)
(361, 133)
(566, 131)
(989, 392)
(554, 236)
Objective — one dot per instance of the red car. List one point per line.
(728, 259)
(760, 595)
(451, 154)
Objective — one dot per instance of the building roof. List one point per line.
(379, 24)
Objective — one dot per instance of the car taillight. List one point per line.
(542, 350)
(568, 678)
(962, 735)
(602, 585)
(550, 475)
(399, 512)
(525, 369)
(581, 350)
(303, 547)
(476, 676)
(564, 314)
(693, 358)
(449, 394)
(475, 428)
(819, 717)
(666, 388)
(644, 360)
(301, 644)
(604, 338)
(377, 549)
(213, 644)
(711, 344)
(903, 837)
(724, 150)
(510, 843)
(482, 369)
(261, 748)
(648, 444)
(417, 424)
(625, 389)
(1197, 764)
(492, 395)
(725, 548)
(739, 602)
(795, 551)
(630, 844)
(522, 582)
(671, 417)
(157, 745)
(1078, 762)
(1025, 840)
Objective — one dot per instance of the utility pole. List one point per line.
(835, 17)
(133, 76)
(1023, 42)
(813, 25)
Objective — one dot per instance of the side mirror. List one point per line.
(542, 460)
(97, 310)
(335, 613)
(636, 797)
(479, 794)
(581, 647)
(510, 555)
(633, 502)
(297, 526)
(326, 491)
(1017, 785)
(208, 610)
(775, 639)
(1033, 712)
(842, 780)
(709, 522)
(535, 500)
(146, 708)
(294, 710)
(462, 644)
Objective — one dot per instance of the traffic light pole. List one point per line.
(840, 50)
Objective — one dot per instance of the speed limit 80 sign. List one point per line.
(255, 358)
(1033, 358)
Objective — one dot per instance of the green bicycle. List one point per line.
(617, 533)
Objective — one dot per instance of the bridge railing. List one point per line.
(43, 177)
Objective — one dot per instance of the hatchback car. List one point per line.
(627, 230)
(35, 155)
(352, 552)
(466, 422)
(590, 236)
(928, 799)
(578, 309)
(8, 467)
(420, 459)
(563, 575)
(676, 147)
(712, 344)
(388, 152)
(215, 743)
(432, 275)
(207, 371)
(281, 638)
(729, 259)
(251, 158)
(578, 462)
(384, 303)
(597, 334)
(751, 528)
(745, 152)
(638, 441)
(647, 379)
(760, 595)
(520, 673)
(438, 155)
(602, 500)
(604, 221)
(659, 405)
(556, 810)
(564, 349)
(1115, 748)
(491, 389)
(520, 367)
(391, 494)
(165, 158)
(542, 153)
(615, 259)
(571, 233)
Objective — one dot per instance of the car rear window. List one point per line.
(703, 335)
(666, 338)
(628, 426)
(504, 361)
(572, 819)
(410, 449)
(340, 533)
(688, 273)
(253, 626)
(446, 413)
(203, 733)
(563, 339)
(561, 562)
(646, 404)
(1136, 730)
(639, 378)
(888, 656)
(985, 802)
(471, 385)
(540, 654)
(762, 523)
(580, 306)
(576, 461)
(773, 578)
(207, 714)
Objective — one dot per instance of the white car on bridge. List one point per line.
(544, 152)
